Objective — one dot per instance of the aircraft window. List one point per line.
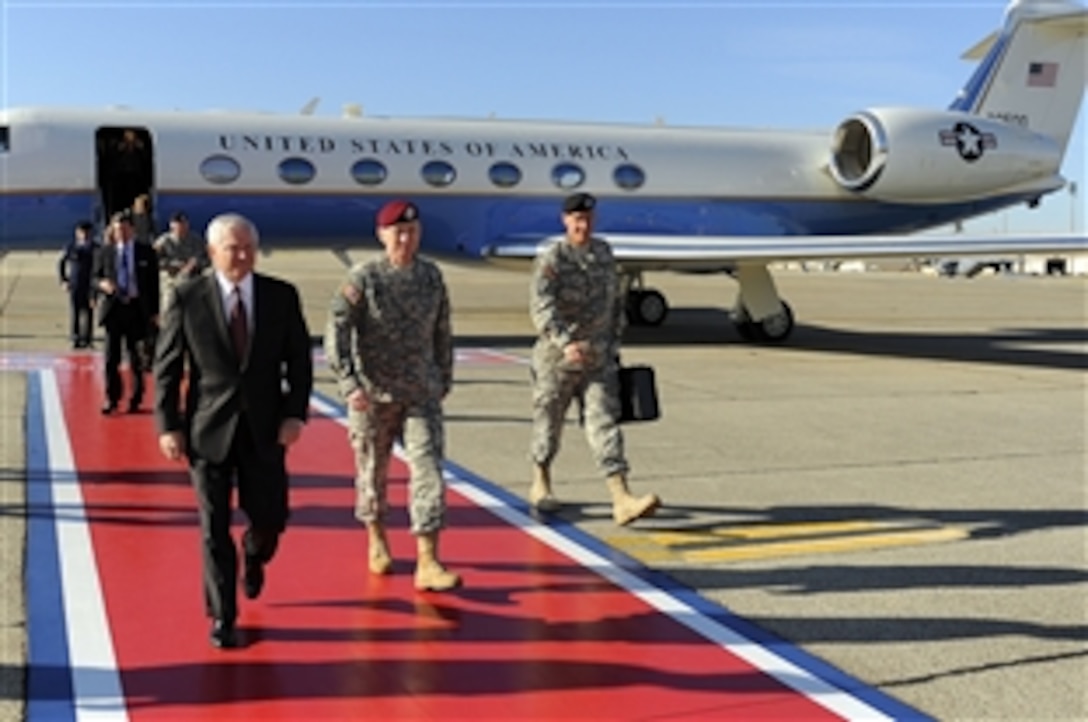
(220, 169)
(5, 140)
(568, 176)
(297, 171)
(369, 172)
(439, 173)
(505, 175)
(629, 176)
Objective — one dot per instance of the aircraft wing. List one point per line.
(666, 252)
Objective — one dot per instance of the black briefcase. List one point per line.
(638, 394)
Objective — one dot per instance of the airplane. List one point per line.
(685, 199)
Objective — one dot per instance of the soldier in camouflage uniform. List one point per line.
(389, 344)
(182, 254)
(577, 309)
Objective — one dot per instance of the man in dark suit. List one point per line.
(126, 277)
(250, 377)
(74, 268)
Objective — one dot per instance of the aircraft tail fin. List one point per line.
(1033, 71)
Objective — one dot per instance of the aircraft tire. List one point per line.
(773, 329)
(646, 308)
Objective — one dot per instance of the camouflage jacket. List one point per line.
(575, 296)
(389, 332)
(174, 253)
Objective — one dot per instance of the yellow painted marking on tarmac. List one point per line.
(744, 542)
(859, 542)
(763, 531)
(643, 548)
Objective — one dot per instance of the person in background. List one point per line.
(182, 253)
(577, 309)
(75, 268)
(143, 222)
(126, 277)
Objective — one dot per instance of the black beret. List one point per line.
(179, 217)
(579, 203)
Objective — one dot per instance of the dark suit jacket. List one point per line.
(146, 263)
(194, 328)
(76, 265)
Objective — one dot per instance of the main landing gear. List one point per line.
(645, 306)
(758, 314)
(772, 329)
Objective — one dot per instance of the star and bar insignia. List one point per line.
(969, 142)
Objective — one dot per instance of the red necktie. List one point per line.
(239, 332)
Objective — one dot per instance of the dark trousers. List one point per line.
(261, 476)
(147, 346)
(126, 324)
(81, 322)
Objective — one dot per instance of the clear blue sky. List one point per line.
(807, 63)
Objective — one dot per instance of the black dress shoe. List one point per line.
(109, 407)
(134, 406)
(223, 635)
(253, 578)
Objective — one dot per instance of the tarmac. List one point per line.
(900, 489)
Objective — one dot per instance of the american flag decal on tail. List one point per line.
(1042, 75)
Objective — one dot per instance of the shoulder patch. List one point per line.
(549, 271)
(351, 293)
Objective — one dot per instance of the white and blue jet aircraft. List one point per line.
(671, 198)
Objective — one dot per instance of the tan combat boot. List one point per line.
(540, 493)
(378, 556)
(430, 574)
(627, 508)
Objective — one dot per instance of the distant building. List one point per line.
(1041, 265)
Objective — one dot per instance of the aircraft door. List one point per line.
(126, 167)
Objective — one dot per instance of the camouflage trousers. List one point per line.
(372, 434)
(167, 283)
(553, 390)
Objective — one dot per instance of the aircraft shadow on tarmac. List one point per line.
(375, 676)
(713, 327)
(841, 578)
(982, 523)
(233, 682)
(335, 514)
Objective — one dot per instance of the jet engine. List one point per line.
(905, 155)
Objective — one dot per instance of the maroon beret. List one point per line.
(399, 211)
